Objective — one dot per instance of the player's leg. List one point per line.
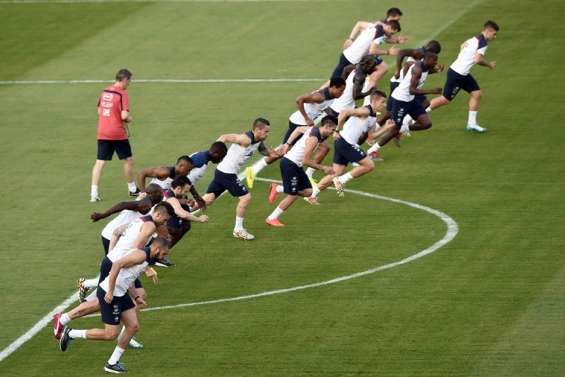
(239, 230)
(322, 151)
(328, 179)
(366, 165)
(123, 150)
(472, 87)
(104, 153)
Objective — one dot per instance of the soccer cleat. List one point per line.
(338, 187)
(135, 344)
(274, 223)
(95, 198)
(115, 368)
(65, 339)
(475, 128)
(376, 156)
(273, 193)
(249, 177)
(134, 193)
(243, 234)
(82, 290)
(313, 200)
(165, 262)
(57, 326)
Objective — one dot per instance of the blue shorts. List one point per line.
(105, 268)
(294, 178)
(345, 153)
(455, 81)
(112, 312)
(341, 64)
(105, 245)
(224, 181)
(399, 109)
(393, 85)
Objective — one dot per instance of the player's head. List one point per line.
(378, 100)
(159, 248)
(490, 28)
(433, 46)
(154, 192)
(393, 14)
(162, 213)
(391, 27)
(328, 125)
(430, 59)
(217, 152)
(124, 77)
(369, 63)
(337, 86)
(184, 165)
(180, 186)
(261, 128)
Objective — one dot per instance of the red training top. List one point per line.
(112, 101)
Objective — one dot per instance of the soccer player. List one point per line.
(309, 107)
(472, 52)
(225, 177)
(392, 14)
(164, 175)
(116, 305)
(200, 160)
(295, 180)
(113, 118)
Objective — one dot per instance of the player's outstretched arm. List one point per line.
(361, 112)
(240, 139)
(414, 90)
(480, 60)
(311, 144)
(358, 28)
(197, 197)
(132, 206)
(145, 233)
(131, 259)
(161, 172)
(183, 214)
(315, 97)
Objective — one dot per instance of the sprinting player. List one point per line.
(472, 52)
(392, 14)
(295, 180)
(347, 150)
(164, 175)
(112, 135)
(225, 177)
(200, 160)
(310, 106)
(116, 305)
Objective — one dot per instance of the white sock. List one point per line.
(310, 172)
(132, 187)
(94, 190)
(90, 283)
(116, 355)
(259, 165)
(472, 118)
(238, 223)
(280, 188)
(428, 109)
(276, 213)
(77, 334)
(345, 178)
(374, 148)
(65, 319)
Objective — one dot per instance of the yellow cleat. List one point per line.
(249, 177)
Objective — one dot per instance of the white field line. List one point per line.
(152, 1)
(160, 81)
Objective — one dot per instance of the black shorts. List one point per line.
(294, 178)
(224, 181)
(400, 109)
(111, 313)
(105, 267)
(393, 85)
(291, 128)
(341, 64)
(106, 149)
(105, 244)
(455, 81)
(345, 153)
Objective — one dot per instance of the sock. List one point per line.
(259, 165)
(94, 190)
(310, 172)
(90, 283)
(428, 109)
(472, 118)
(374, 148)
(315, 192)
(132, 187)
(77, 334)
(276, 213)
(238, 223)
(65, 319)
(116, 355)
(280, 188)
(345, 178)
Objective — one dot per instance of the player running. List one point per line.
(392, 14)
(472, 52)
(200, 160)
(164, 175)
(295, 180)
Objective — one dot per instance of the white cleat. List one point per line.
(82, 290)
(338, 187)
(475, 128)
(95, 198)
(243, 234)
(135, 344)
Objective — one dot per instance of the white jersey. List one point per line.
(296, 153)
(200, 162)
(401, 74)
(345, 101)
(466, 58)
(402, 92)
(237, 156)
(126, 276)
(312, 109)
(127, 240)
(125, 217)
(165, 184)
(355, 127)
(360, 47)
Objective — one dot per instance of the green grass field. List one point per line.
(489, 304)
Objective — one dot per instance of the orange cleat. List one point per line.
(273, 193)
(274, 223)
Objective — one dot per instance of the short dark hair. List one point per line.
(337, 82)
(218, 147)
(378, 93)
(185, 158)
(160, 241)
(393, 12)
(433, 46)
(152, 187)
(260, 123)
(123, 74)
(164, 206)
(328, 119)
(491, 25)
(394, 24)
(180, 181)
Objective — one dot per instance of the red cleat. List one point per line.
(57, 326)
(273, 193)
(274, 223)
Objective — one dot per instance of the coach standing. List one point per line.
(112, 135)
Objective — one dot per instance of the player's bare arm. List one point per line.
(184, 214)
(161, 172)
(118, 232)
(139, 206)
(145, 233)
(240, 139)
(311, 144)
(414, 90)
(358, 28)
(480, 60)
(132, 259)
(315, 97)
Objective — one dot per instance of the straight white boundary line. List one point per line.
(160, 81)
(154, 1)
